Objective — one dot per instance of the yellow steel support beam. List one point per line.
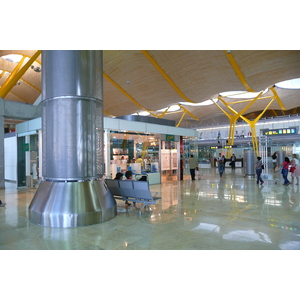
(277, 98)
(4, 91)
(31, 85)
(274, 112)
(238, 71)
(166, 76)
(108, 113)
(126, 94)
(13, 73)
(120, 89)
(166, 110)
(294, 111)
(19, 97)
(252, 125)
(249, 100)
(178, 124)
(234, 118)
(187, 111)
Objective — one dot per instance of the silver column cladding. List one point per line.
(249, 162)
(72, 192)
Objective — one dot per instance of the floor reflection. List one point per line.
(231, 212)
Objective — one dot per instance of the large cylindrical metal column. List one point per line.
(249, 162)
(72, 192)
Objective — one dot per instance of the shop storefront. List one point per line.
(149, 149)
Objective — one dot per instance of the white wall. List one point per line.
(10, 158)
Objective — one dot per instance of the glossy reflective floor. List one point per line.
(212, 213)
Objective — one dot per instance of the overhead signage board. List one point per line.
(281, 131)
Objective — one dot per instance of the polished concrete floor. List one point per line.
(213, 213)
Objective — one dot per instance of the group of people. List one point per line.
(128, 175)
(292, 166)
(288, 165)
(221, 164)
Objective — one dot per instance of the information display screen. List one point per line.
(281, 131)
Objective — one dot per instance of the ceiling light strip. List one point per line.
(166, 76)
(238, 71)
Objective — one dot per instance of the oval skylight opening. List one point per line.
(289, 84)
(204, 103)
(15, 58)
(171, 108)
(241, 94)
(141, 113)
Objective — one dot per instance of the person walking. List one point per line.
(258, 169)
(274, 160)
(295, 168)
(285, 170)
(193, 165)
(221, 164)
(233, 160)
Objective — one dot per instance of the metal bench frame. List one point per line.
(131, 190)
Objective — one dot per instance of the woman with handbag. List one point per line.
(295, 168)
(285, 170)
(258, 170)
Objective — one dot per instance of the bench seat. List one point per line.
(131, 190)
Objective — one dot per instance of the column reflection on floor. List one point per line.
(231, 212)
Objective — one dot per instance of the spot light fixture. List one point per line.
(36, 69)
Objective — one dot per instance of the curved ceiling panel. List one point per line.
(135, 80)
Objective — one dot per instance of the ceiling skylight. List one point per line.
(15, 58)
(289, 84)
(204, 103)
(171, 108)
(241, 94)
(141, 113)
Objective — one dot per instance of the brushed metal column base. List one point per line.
(72, 204)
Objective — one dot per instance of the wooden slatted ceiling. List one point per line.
(199, 75)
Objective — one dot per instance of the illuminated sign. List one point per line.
(229, 147)
(170, 137)
(282, 131)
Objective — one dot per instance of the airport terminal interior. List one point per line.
(159, 108)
